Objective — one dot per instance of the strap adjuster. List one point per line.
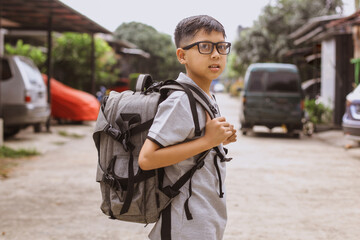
(111, 181)
(112, 132)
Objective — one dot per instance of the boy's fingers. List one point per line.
(226, 124)
(220, 119)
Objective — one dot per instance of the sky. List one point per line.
(164, 15)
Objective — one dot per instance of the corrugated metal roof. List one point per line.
(35, 14)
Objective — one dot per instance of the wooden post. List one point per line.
(92, 62)
(2, 43)
(49, 66)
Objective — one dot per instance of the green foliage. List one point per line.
(6, 152)
(34, 53)
(267, 40)
(163, 63)
(72, 61)
(70, 135)
(317, 111)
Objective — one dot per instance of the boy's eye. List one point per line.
(222, 47)
(206, 47)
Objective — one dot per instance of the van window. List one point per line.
(5, 70)
(256, 80)
(282, 81)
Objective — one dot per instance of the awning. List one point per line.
(34, 15)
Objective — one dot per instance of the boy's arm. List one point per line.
(152, 156)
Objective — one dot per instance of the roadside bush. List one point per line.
(318, 112)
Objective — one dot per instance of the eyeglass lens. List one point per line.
(207, 47)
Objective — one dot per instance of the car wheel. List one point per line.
(9, 132)
(37, 127)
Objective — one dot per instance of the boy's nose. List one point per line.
(215, 53)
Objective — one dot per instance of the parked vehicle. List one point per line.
(219, 87)
(351, 117)
(23, 95)
(272, 96)
(72, 105)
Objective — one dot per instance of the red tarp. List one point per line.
(72, 104)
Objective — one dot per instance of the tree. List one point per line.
(34, 53)
(71, 59)
(267, 40)
(163, 63)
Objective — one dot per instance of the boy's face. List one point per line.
(202, 67)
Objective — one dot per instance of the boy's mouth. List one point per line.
(214, 66)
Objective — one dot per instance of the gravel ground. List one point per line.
(277, 188)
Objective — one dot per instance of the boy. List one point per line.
(171, 143)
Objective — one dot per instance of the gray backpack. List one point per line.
(128, 192)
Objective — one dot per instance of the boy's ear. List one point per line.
(180, 53)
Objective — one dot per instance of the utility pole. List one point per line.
(2, 43)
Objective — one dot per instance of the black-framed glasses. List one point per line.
(206, 47)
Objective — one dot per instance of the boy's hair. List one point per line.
(188, 27)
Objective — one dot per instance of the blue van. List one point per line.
(272, 96)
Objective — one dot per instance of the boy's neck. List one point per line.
(204, 84)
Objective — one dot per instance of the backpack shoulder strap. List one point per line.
(198, 95)
(174, 85)
(203, 100)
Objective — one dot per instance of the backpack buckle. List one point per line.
(112, 132)
(125, 140)
(111, 181)
(155, 87)
(213, 109)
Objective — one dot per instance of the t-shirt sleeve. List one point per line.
(173, 122)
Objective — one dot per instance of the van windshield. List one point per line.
(279, 81)
(257, 81)
(282, 82)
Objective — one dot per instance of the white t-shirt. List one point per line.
(174, 124)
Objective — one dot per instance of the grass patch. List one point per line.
(6, 152)
(6, 165)
(71, 135)
(9, 158)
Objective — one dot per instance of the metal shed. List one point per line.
(47, 15)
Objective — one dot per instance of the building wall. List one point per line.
(328, 72)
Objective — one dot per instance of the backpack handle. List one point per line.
(143, 82)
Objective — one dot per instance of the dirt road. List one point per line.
(277, 188)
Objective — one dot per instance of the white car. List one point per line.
(351, 118)
(219, 87)
(23, 95)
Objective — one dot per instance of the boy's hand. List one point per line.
(218, 131)
(232, 138)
